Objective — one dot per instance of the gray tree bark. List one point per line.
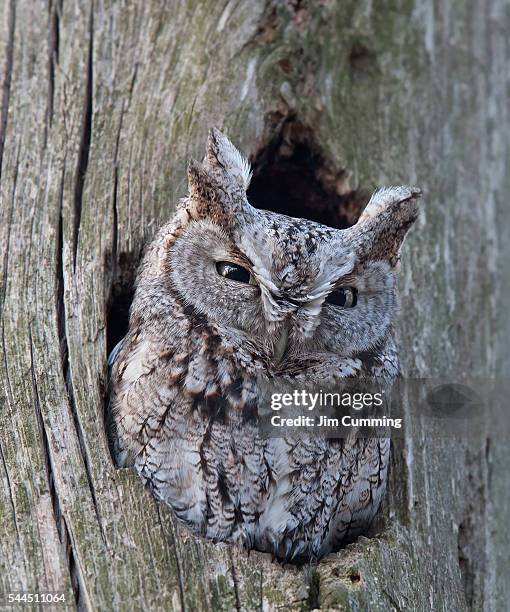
(102, 105)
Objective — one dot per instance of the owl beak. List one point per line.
(281, 345)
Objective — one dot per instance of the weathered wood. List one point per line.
(102, 106)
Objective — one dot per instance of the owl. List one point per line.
(230, 299)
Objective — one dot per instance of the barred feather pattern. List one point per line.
(196, 441)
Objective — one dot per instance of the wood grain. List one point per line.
(102, 105)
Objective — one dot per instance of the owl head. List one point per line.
(284, 288)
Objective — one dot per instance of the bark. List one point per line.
(102, 105)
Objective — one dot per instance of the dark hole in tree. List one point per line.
(355, 577)
(121, 298)
(361, 59)
(118, 320)
(292, 176)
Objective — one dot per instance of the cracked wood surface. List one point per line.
(102, 104)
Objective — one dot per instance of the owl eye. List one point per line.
(233, 272)
(345, 296)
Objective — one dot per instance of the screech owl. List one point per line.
(229, 297)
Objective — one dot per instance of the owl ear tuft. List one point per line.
(203, 191)
(221, 153)
(209, 198)
(383, 225)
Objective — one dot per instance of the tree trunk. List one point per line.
(102, 106)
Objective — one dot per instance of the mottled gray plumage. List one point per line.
(186, 381)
